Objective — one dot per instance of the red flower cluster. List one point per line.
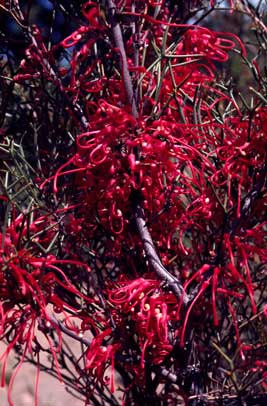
(29, 282)
(150, 312)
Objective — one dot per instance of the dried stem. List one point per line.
(154, 259)
(118, 39)
(69, 332)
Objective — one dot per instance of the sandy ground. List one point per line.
(50, 392)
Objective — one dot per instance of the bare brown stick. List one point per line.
(118, 39)
(154, 259)
(68, 332)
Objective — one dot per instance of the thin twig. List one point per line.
(67, 331)
(118, 39)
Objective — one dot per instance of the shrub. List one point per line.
(134, 201)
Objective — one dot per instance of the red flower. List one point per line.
(99, 357)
